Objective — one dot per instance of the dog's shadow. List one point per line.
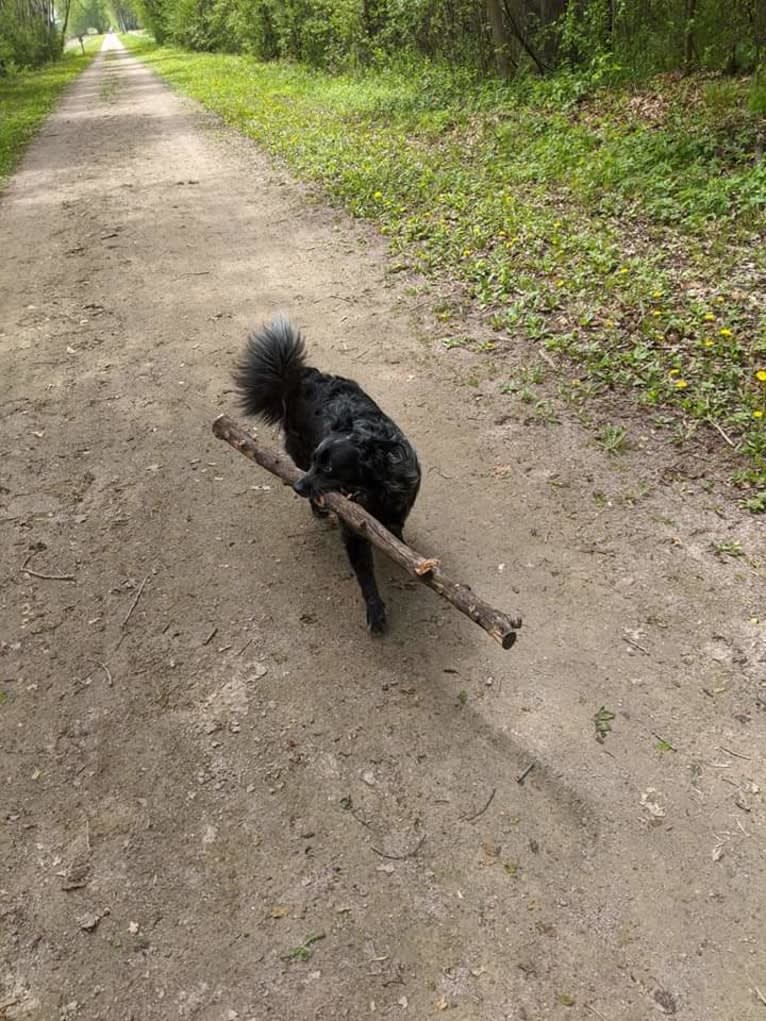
(435, 653)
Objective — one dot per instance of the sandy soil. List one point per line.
(207, 764)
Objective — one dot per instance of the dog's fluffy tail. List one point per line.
(270, 370)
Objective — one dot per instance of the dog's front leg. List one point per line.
(360, 554)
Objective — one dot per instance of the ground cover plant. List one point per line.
(622, 227)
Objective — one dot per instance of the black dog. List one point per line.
(338, 436)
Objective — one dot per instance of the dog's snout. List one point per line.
(301, 487)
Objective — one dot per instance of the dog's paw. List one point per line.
(319, 511)
(376, 618)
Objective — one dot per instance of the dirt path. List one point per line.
(204, 754)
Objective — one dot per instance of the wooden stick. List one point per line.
(134, 604)
(500, 626)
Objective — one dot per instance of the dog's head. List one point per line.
(340, 465)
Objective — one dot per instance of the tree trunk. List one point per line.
(691, 10)
(519, 34)
(67, 8)
(501, 43)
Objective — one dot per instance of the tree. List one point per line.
(89, 14)
(28, 35)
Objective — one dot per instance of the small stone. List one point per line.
(89, 922)
(369, 778)
(133, 928)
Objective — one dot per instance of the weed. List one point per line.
(305, 951)
(613, 439)
(603, 722)
(756, 504)
(528, 376)
(728, 549)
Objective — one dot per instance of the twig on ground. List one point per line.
(547, 358)
(134, 604)
(211, 636)
(594, 1012)
(106, 670)
(522, 777)
(636, 645)
(728, 439)
(401, 857)
(359, 819)
(470, 818)
(39, 574)
(737, 755)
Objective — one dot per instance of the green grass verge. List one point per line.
(627, 230)
(27, 97)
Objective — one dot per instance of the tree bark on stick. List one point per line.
(500, 626)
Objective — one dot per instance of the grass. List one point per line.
(27, 97)
(626, 231)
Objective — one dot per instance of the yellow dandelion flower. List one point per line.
(758, 413)
(656, 294)
(624, 269)
(674, 372)
(467, 252)
(681, 384)
(657, 313)
(559, 283)
(761, 375)
(709, 317)
(378, 196)
(725, 332)
(708, 342)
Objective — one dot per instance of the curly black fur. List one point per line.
(338, 436)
